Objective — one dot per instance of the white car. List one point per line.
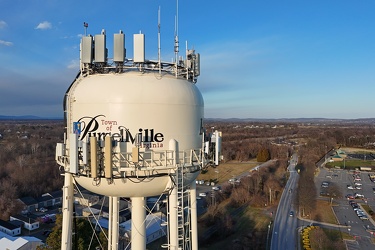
(202, 194)
(364, 217)
(232, 180)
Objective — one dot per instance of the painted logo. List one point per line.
(88, 126)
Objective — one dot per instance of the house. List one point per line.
(96, 210)
(154, 204)
(86, 198)
(18, 243)
(29, 204)
(46, 200)
(336, 158)
(9, 228)
(154, 227)
(27, 222)
(57, 197)
(102, 211)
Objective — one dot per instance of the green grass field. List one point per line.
(351, 164)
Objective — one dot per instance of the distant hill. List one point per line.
(234, 120)
(296, 120)
(27, 117)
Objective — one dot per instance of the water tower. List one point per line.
(134, 128)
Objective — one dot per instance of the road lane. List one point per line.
(284, 227)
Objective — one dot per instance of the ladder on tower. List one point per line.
(180, 207)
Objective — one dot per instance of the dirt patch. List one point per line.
(357, 150)
(228, 170)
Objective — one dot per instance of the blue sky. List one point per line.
(259, 59)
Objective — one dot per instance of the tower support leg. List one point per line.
(138, 230)
(193, 214)
(67, 211)
(113, 225)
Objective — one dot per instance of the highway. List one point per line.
(284, 231)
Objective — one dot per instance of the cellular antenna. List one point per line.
(159, 48)
(176, 39)
(85, 25)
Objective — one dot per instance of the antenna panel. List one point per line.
(100, 49)
(86, 55)
(73, 153)
(139, 48)
(197, 64)
(119, 47)
(217, 147)
(94, 157)
(108, 157)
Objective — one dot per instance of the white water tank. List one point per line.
(143, 110)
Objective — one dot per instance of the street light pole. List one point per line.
(268, 233)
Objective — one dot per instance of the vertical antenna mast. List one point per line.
(85, 25)
(159, 49)
(176, 39)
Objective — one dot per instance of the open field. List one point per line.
(333, 239)
(251, 226)
(351, 164)
(225, 171)
(357, 150)
(323, 212)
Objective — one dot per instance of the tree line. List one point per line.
(28, 167)
(27, 164)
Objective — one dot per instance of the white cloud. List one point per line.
(3, 24)
(74, 64)
(44, 25)
(5, 43)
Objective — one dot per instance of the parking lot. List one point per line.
(356, 190)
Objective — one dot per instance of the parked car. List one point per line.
(47, 232)
(359, 195)
(43, 210)
(349, 196)
(364, 217)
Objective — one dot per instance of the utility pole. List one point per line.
(270, 196)
(268, 234)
